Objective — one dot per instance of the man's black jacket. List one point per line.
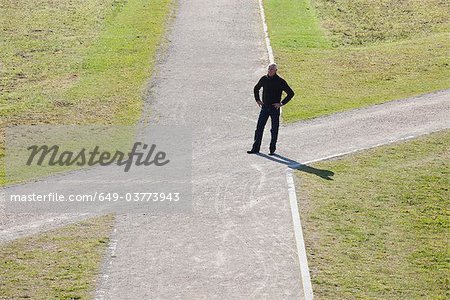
(273, 87)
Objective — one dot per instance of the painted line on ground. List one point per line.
(301, 250)
(266, 33)
(108, 261)
(364, 148)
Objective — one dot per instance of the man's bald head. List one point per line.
(272, 69)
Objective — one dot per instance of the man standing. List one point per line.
(273, 86)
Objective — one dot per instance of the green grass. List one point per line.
(362, 22)
(340, 55)
(379, 229)
(76, 62)
(59, 264)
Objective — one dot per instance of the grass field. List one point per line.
(379, 230)
(59, 264)
(76, 61)
(340, 55)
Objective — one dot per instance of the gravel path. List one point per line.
(239, 241)
(367, 127)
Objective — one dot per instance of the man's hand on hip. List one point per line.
(260, 104)
(277, 105)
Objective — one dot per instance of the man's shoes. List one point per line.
(252, 152)
(271, 153)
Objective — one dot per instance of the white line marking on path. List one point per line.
(301, 250)
(362, 149)
(266, 33)
(101, 292)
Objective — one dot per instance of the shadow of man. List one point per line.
(325, 174)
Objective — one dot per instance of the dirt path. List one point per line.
(239, 242)
(367, 127)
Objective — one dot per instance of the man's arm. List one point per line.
(289, 93)
(256, 89)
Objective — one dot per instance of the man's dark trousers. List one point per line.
(262, 120)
